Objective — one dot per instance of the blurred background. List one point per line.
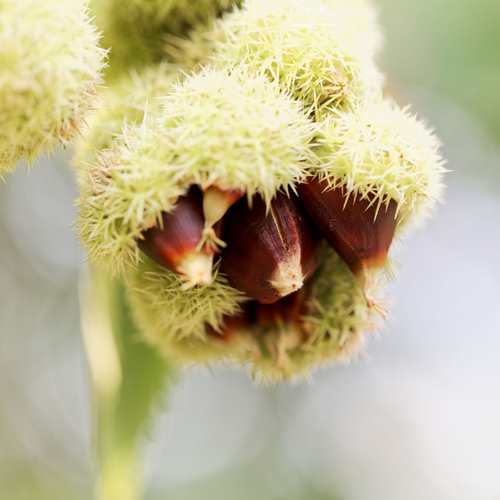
(418, 420)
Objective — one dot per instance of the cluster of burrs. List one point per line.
(247, 184)
(50, 65)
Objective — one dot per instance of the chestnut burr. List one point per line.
(358, 229)
(173, 243)
(271, 250)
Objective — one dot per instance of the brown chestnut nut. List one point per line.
(271, 250)
(173, 243)
(360, 231)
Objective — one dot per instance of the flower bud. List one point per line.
(360, 230)
(173, 243)
(270, 252)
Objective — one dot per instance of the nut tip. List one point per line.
(196, 269)
(366, 277)
(288, 277)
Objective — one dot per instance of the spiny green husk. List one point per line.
(175, 15)
(126, 102)
(217, 126)
(50, 69)
(383, 152)
(207, 43)
(239, 129)
(307, 47)
(135, 30)
(124, 194)
(334, 326)
(160, 304)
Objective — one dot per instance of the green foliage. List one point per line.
(51, 65)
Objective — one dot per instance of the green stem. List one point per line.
(128, 380)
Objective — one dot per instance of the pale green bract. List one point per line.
(382, 152)
(205, 42)
(124, 194)
(226, 126)
(127, 102)
(50, 69)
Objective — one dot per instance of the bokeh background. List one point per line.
(418, 420)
